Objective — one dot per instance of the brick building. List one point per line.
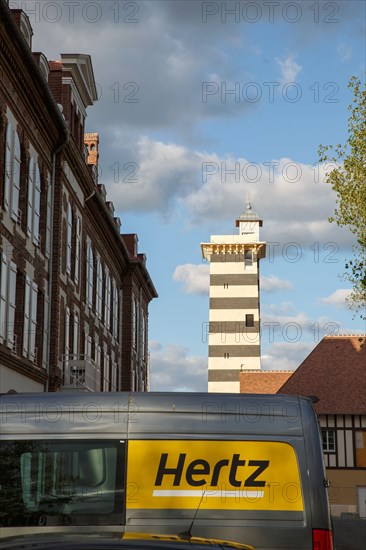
(263, 381)
(74, 291)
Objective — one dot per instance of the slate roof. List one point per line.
(335, 371)
(261, 381)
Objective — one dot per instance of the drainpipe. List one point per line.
(50, 274)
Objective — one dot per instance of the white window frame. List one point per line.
(99, 293)
(33, 201)
(143, 335)
(12, 170)
(7, 300)
(134, 322)
(75, 343)
(114, 372)
(48, 216)
(107, 301)
(30, 319)
(98, 354)
(88, 343)
(77, 248)
(89, 275)
(45, 331)
(67, 331)
(329, 443)
(115, 310)
(68, 238)
(106, 370)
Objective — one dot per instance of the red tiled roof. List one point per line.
(261, 381)
(335, 371)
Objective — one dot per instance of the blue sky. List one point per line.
(162, 69)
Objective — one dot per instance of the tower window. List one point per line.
(249, 320)
(248, 258)
(226, 355)
(226, 285)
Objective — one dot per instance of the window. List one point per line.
(89, 275)
(77, 248)
(114, 372)
(107, 370)
(328, 437)
(75, 343)
(68, 239)
(30, 319)
(7, 301)
(248, 259)
(115, 309)
(48, 217)
(87, 343)
(34, 199)
(45, 331)
(97, 353)
(249, 320)
(226, 355)
(12, 171)
(67, 332)
(71, 481)
(107, 301)
(134, 322)
(226, 285)
(143, 336)
(99, 297)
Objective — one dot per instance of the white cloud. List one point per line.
(282, 324)
(337, 298)
(195, 278)
(161, 173)
(173, 369)
(272, 283)
(291, 198)
(286, 355)
(344, 51)
(289, 69)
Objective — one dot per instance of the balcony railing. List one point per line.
(80, 373)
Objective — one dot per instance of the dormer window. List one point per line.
(22, 20)
(26, 29)
(43, 65)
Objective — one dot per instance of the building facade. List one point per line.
(74, 292)
(234, 317)
(335, 373)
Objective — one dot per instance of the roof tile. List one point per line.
(335, 371)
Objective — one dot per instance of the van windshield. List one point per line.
(53, 482)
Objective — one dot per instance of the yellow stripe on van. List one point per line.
(228, 475)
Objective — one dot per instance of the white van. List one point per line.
(246, 468)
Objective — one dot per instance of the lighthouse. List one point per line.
(233, 329)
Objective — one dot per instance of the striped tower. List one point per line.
(233, 330)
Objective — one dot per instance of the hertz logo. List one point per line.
(199, 472)
(214, 475)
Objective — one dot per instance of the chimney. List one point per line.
(92, 143)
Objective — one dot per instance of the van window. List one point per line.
(52, 482)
